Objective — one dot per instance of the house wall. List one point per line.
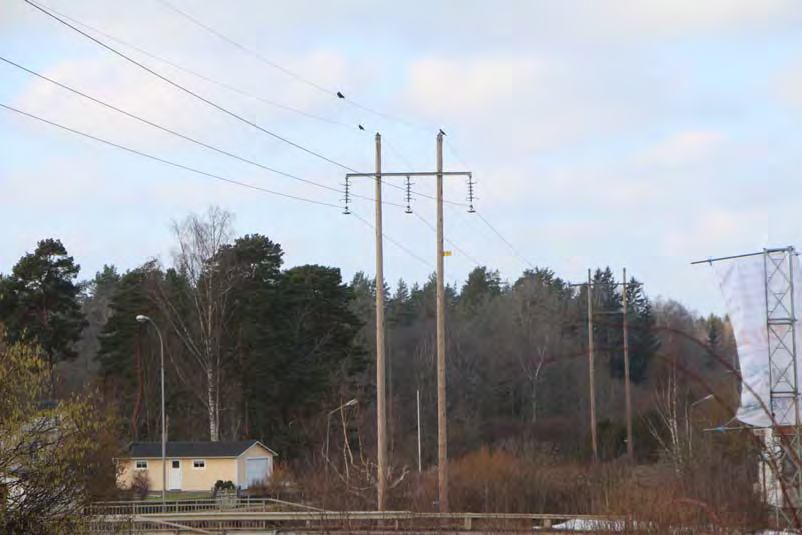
(254, 452)
(216, 469)
(128, 473)
(191, 479)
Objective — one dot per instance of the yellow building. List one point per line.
(197, 466)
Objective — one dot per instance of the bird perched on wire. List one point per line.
(339, 94)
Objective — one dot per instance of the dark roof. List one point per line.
(144, 450)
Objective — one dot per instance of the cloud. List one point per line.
(667, 18)
(682, 148)
(471, 86)
(787, 87)
(135, 92)
(517, 104)
(717, 229)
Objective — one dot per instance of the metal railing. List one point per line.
(266, 514)
(245, 503)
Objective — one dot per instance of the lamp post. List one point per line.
(348, 403)
(143, 319)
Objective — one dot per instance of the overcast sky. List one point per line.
(631, 133)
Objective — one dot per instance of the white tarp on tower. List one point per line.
(756, 289)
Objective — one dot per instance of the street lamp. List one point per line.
(348, 403)
(145, 319)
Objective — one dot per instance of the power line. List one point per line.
(253, 53)
(511, 246)
(163, 160)
(406, 162)
(204, 173)
(197, 74)
(180, 135)
(451, 243)
(395, 242)
(454, 153)
(243, 48)
(187, 90)
(65, 20)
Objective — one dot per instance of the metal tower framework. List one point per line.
(784, 447)
(779, 266)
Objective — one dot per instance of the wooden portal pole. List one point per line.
(627, 382)
(381, 406)
(442, 431)
(592, 372)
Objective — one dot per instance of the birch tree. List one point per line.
(197, 303)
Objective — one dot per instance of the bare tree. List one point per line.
(199, 310)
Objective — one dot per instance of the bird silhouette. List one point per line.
(442, 133)
(361, 127)
(339, 94)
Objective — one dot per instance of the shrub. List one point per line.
(140, 485)
(221, 486)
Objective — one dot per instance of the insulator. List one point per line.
(408, 195)
(471, 197)
(347, 198)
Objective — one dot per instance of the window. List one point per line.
(199, 465)
(141, 465)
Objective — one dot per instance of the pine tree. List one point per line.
(39, 302)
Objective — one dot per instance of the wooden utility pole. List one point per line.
(591, 372)
(381, 407)
(442, 431)
(627, 394)
(442, 422)
(420, 464)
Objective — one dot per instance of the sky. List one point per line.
(638, 134)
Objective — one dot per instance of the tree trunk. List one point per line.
(212, 405)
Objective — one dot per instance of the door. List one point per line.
(175, 474)
(256, 471)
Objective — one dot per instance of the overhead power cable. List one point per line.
(395, 242)
(165, 161)
(451, 243)
(207, 174)
(73, 23)
(187, 90)
(243, 48)
(510, 245)
(512, 248)
(197, 74)
(253, 53)
(183, 136)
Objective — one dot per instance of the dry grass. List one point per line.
(711, 490)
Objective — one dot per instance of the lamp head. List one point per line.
(141, 318)
(351, 403)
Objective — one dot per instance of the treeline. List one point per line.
(253, 349)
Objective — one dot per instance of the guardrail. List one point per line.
(256, 514)
(245, 503)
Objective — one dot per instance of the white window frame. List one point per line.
(137, 463)
(201, 467)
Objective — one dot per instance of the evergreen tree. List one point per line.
(608, 320)
(39, 302)
(301, 355)
(715, 331)
(129, 372)
(644, 340)
(399, 309)
(481, 286)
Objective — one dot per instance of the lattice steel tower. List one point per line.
(780, 266)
